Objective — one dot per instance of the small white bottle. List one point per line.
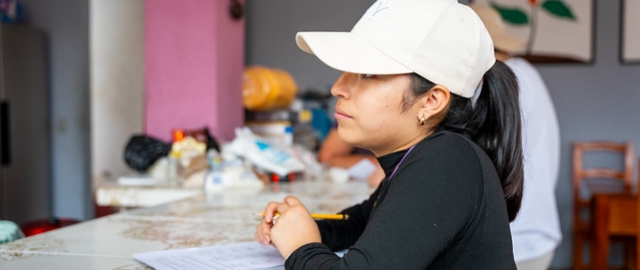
(288, 135)
(214, 180)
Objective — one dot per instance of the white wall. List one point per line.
(117, 82)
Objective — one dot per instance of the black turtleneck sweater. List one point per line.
(443, 209)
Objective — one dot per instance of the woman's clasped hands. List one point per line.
(287, 225)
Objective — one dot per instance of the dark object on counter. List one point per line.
(142, 151)
(211, 141)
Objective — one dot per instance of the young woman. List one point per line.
(451, 150)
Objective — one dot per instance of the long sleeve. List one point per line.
(432, 215)
(536, 229)
(341, 234)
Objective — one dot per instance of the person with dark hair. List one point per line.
(453, 165)
(536, 232)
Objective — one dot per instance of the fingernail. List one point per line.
(267, 240)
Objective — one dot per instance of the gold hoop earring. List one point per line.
(422, 120)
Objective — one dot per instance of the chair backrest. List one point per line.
(621, 175)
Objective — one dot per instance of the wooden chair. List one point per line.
(615, 217)
(582, 233)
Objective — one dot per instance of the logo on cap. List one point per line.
(377, 8)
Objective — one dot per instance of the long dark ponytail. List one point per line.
(493, 123)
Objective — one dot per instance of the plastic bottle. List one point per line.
(214, 179)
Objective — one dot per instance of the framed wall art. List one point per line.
(555, 31)
(629, 33)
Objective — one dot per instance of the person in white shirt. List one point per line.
(536, 230)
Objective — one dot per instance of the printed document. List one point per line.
(249, 255)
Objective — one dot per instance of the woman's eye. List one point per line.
(367, 76)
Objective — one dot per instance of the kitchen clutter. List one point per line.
(282, 132)
(248, 161)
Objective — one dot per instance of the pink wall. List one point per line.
(194, 58)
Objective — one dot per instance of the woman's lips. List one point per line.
(339, 114)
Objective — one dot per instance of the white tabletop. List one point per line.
(203, 220)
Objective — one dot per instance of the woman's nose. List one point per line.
(341, 86)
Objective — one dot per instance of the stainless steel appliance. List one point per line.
(25, 192)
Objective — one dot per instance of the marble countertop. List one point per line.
(140, 196)
(201, 220)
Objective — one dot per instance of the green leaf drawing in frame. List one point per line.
(525, 17)
(512, 15)
(558, 8)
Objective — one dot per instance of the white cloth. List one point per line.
(541, 263)
(363, 169)
(536, 229)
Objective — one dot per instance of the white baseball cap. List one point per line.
(497, 29)
(440, 40)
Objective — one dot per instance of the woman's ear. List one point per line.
(434, 101)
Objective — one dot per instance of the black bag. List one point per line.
(142, 151)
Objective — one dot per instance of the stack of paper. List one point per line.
(250, 255)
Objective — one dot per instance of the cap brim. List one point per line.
(346, 51)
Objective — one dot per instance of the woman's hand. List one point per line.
(263, 232)
(290, 229)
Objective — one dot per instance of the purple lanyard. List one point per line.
(398, 165)
(394, 172)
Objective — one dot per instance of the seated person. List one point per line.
(336, 153)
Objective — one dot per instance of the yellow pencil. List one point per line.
(319, 216)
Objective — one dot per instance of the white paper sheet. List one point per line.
(249, 255)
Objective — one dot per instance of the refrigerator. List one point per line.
(25, 167)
